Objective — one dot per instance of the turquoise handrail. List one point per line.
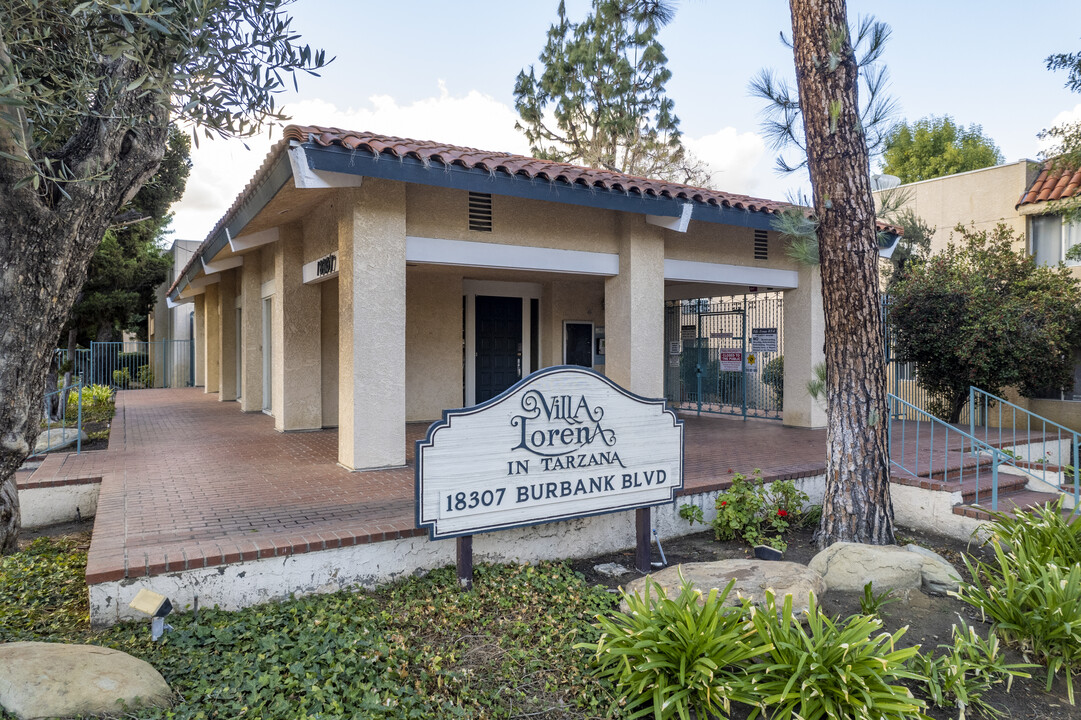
(951, 439)
(1045, 429)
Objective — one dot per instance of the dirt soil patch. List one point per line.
(929, 618)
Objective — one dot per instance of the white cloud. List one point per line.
(741, 163)
(221, 168)
(1065, 117)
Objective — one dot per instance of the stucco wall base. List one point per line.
(241, 585)
(932, 511)
(232, 587)
(41, 507)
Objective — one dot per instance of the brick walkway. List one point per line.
(188, 482)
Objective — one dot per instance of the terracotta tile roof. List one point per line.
(501, 162)
(491, 162)
(1053, 183)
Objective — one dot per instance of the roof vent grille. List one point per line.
(761, 247)
(480, 212)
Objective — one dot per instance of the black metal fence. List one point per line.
(726, 355)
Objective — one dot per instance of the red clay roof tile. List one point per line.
(489, 161)
(1053, 183)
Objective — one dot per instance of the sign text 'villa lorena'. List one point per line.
(564, 442)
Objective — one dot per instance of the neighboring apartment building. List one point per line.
(171, 327)
(1026, 196)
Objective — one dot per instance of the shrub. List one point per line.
(97, 404)
(1043, 532)
(1031, 595)
(669, 656)
(773, 377)
(146, 376)
(969, 668)
(756, 512)
(830, 670)
(121, 378)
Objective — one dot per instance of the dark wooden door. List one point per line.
(499, 344)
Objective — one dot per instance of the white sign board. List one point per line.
(764, 340)
(564, 442)
(752, 363)
(731, 361)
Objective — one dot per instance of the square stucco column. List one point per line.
(227, 333)
(251, 334)
(212, 333)
(804, 347)
(297, 360)
(199, 338)
(371, 336)
(634, 310)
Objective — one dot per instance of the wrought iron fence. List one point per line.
(134, 365)
(726, 355)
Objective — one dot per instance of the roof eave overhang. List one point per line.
(252, 205)
(336, 159)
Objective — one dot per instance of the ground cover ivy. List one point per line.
(418, 648)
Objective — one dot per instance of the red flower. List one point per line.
(782, 513)
(723, 503)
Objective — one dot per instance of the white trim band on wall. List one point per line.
(437, 251)
(721, 274)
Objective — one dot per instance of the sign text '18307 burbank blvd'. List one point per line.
(563, 443)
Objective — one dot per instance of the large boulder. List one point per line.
(938, 575)
(848, 567)
(753, 578)
(57, 438)
(47, 680)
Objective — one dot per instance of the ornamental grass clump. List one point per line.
(1032, 591)
(966, 670)
(669, 657)
(826, 669)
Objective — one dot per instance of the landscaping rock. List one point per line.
(611, 570)
(847, 567)
(58, 438)
(753, 578)
(938, 575)
(46, 680)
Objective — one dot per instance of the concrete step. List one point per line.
(1009, 502)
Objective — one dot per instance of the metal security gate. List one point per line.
(725, 355)
(135, 365)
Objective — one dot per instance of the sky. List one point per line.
(445, 71)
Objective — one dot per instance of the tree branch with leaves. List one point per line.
(600, 97)
(87, 95)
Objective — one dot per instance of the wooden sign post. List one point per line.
(563, 443)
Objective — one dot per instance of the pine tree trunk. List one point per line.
(857, 506)
(47, 238)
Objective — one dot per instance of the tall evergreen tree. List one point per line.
(602, 82)
(856, 506)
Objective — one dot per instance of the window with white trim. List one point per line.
(1051, 238)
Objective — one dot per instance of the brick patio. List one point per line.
(188, 482)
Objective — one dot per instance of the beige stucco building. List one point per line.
(1026, 196)
(363, 281)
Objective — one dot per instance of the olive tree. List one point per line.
(87, 93)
